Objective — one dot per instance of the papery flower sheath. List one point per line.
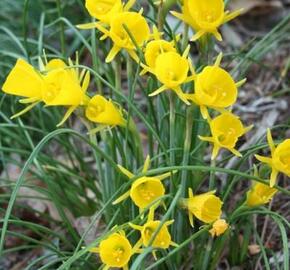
(206, 207)
(115, 251)
(279, 160)
(205, 16)
(214, 88)
(144, 190)
(163, 237)
(225, 129)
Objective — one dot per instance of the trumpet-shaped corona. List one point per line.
(226, 129)
(115, 251)
(144, 190)
(279, 160)
(218, 227)
(102, 111)
(206, 207)
(171, 69)
(214, 88)
(162, 239)
(205, 17)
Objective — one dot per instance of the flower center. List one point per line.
(118, 254)
(95, 110)
(51, 91)
(146, 193)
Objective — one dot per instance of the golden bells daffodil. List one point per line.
(162, 239)
(115, 251)
(171, 69)
(259, 194)
(126, 28)
(56, 85)
(226, 129)
(205, 16)
(102, 111)
(206, 207)
(214, 88)
(144, 190)
(104, 11)
(218, 227)
(279, 160)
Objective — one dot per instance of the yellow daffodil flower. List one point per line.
(104, 112)
(56, 85)
(171, 69)
(226, 130)
(104, 11)
(144, 190)
(137, 28)
(205, 16)
(162, 239)
(259, 194)
(279, 160)
(214, 88)
(206, 207)
(115, 251)
(218, 227)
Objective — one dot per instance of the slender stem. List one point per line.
(172, 126)
(212, 175)
(62, 36)
(95, 60)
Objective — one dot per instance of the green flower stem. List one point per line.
(212, 175)
(95, 60)
(62, 36)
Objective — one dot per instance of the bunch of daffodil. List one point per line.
(115, 251)
(162, 239)
(144, 190)
(219, 227)
(104, 11)
(205, 17)
(226, 129)
(171, 69)
(214, 88)
(126, 30)
(279, 160)
(206, 207)
(56, 85)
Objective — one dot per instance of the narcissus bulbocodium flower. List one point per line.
(104, 11)
(115, 251)
(156, 47)
(206, 207)
(102, 111)
(144, 190)
(205, 16)
(171, 69)
(214, 88)
(279, 160)
(56, 85)
(226, 130)
(138, 31)
(218, 227)
(259, 194)
(162, 239)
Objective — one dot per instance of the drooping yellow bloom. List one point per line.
(279, 160)
(259, 194)
(105, 10)
(56, 85)
(205, 16)
(162, 239)
(218, 227)
(102, 111)
(226, 130)
(214, 88)
(206, 207)
(144, 190)
(171, 69)
(115, 251)
(156, 47)
(124, 28)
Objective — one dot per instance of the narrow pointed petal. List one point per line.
(87, 25)
(67, 115)
(190, 217)
(197, 35)
(28, 100)
(146, 164)
(215, 151)
(158, 91)
(126, 172)
(232, 15)
(264, 159)
(129, 4)
(122, 197)
(206, 139)
(165, 175)
(270, 141)
(28, 108)
(273, 177)
(180, 94)
(94, 250)
(86, 81)
(236, 152)
(217, 35)
(241, 82)
(113, 52)
(136, 227)
(218, 60)
(190, 193)
(174, 244)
